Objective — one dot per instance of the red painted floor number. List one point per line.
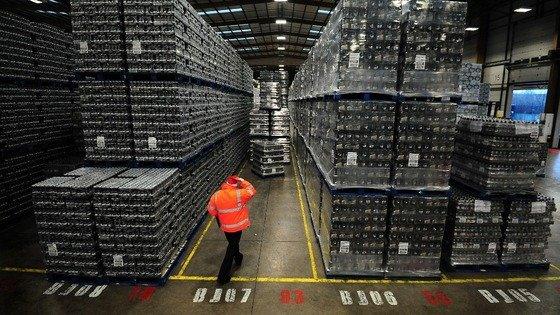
(140, 293)
(436, 298)
(291, 297)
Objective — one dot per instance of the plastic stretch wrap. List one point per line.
(433, 48)
(416, 233)
(268, 157)
(174, 120)
(96, 30)
(183, 86)
(353, 232)
(351, 140)
(469, 82)
(38, 107)
(357, 51)
(166, 36)
(426, 132)
(496, 155)
(65, 221)
(107, 130)
(128, 223)
(472, 110)
(271, 118)
(528, 230)
(475, 230)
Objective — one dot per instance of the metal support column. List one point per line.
(553, 96)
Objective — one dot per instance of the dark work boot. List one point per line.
(223, 281)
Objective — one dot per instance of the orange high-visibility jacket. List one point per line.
(229, 204)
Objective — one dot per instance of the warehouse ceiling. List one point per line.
(264, 32)
(268, 31)
(54, 12)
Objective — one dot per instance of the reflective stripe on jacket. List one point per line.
(229, 204)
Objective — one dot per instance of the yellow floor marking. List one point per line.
(334, 281)
(553, 266)
(368, 281)
(196, 245)
(26, 270)
(305, 225)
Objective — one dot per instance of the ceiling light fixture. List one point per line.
(281, 37)
(36, 1)
(522, 10)
(323, 11)
(280, 0)
(281, 21)
(471, 29)
(281, 48)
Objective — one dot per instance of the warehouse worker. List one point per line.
(229, 206)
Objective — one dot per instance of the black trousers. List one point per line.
(232, 253)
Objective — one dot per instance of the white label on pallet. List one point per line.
(413, 159)
(118, 261)
(538, 207)
(527, 129)
(420, 62)
(136, 47)
(344, 247)
(83, 47)
(352, 159)
(462, 219)
(100, 142)
(354, 60)
(515, 220)
(152, 143)
(403, 248)
(491, 248)
(512, 248)
(52, 249)
(475, 126)
(479, 220)
(482, 206)
(496, 220)
(476, 246)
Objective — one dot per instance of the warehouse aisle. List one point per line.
(276, 244)
(276, 278)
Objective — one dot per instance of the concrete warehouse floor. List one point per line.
(281, 273)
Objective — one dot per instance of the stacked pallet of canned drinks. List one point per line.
(496, 155)
(350, 225)
(270, 120)
(474, 94)
(527, 231)
(128, 223)
(183, 88)
(377, 124)
(267, 158)
(37, 107)
(167, 99)
(496, 160)
(431, 68)
(474, 230)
